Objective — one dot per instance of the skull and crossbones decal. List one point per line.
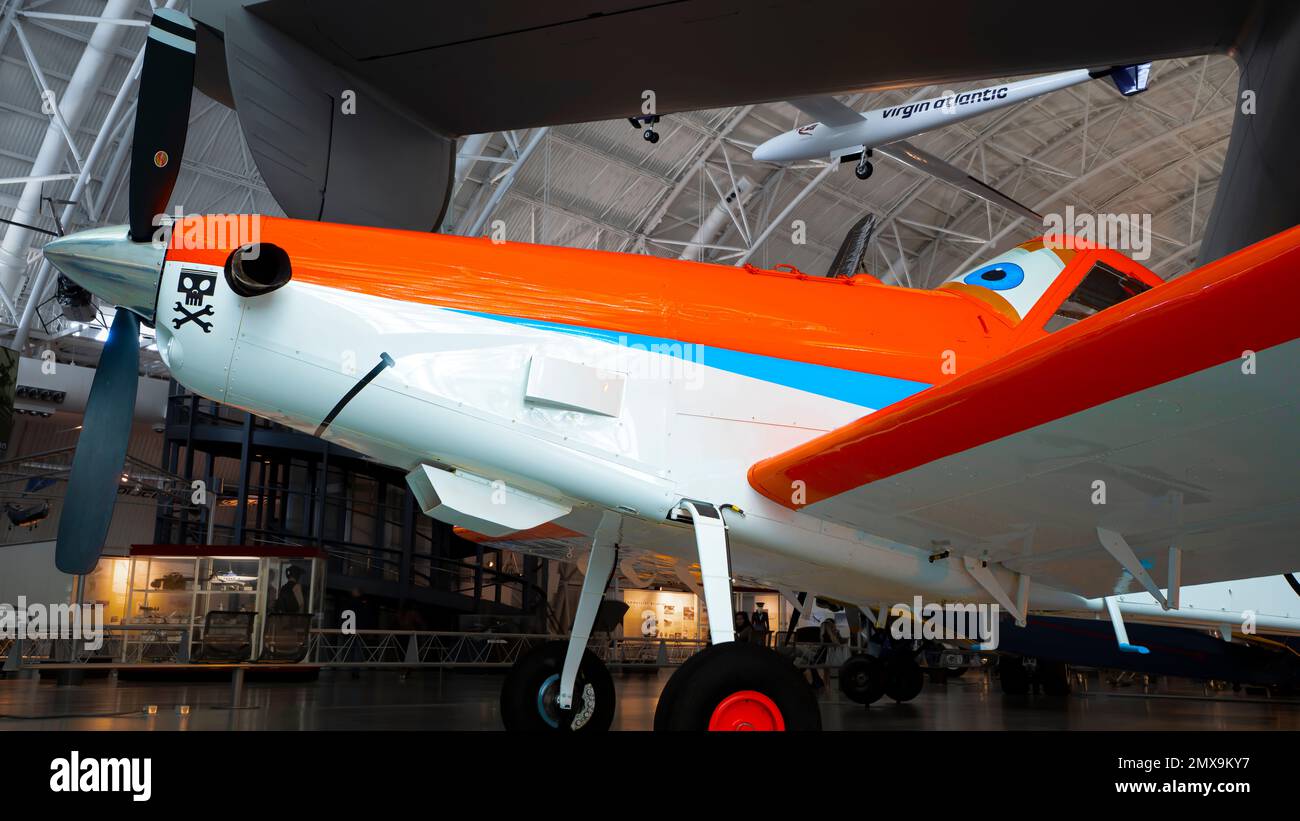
(197, 286)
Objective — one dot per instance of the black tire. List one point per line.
(1054, 678)
(672, 687)
(525, 706)
(651, 136)
(903, 679)
(863, 170)
(862, 680)
(719, 675)
(955, 672)
(1013, 676)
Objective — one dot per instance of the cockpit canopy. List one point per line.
(1075, 277)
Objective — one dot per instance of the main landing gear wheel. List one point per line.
(862, 679)
(903, 679)
(737, 686)
(529, 697)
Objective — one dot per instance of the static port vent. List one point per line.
(41, 394)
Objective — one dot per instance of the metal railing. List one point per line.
(429, 648)
(165, 644)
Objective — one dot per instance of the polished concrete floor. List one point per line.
(467, 701)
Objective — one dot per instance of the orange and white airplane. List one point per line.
(1046, 431)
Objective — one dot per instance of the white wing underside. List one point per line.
(1205, 463)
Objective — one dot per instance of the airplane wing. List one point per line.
(526, 55)
(294, 70)
(1168, 420)
(827, 111)
(909, 155)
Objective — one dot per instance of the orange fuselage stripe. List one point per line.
(878, 329)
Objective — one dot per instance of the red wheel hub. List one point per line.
(747, 710)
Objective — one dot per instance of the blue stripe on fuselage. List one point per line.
(866, 389)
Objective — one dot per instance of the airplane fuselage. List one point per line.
(713, 367)
(885, 125)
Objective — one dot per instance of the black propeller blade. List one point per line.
(101, 450)
(162, 118)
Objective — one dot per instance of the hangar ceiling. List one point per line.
(600, 185)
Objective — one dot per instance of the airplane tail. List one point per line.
(1129, 80)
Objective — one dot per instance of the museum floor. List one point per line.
(467, 701)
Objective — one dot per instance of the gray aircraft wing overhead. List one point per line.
(475, 67)
(423, 73)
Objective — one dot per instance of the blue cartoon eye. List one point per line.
(1000, 276)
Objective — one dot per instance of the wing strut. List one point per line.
(980, 572)
(1121, 634)
(1175, 577)
(1122, 553)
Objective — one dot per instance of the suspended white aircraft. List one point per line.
(840, 133)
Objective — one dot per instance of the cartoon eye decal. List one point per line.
(1000, 276)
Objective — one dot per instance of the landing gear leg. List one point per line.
(731, 685)
(539, 693)
(863, 169)
(649, 135)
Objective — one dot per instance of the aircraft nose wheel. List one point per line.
(650, 135)
(737, 686)
(530, 694)
(863, 169)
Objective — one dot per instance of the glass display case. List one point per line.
(156, 602)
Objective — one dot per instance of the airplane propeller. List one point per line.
(161, 123)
